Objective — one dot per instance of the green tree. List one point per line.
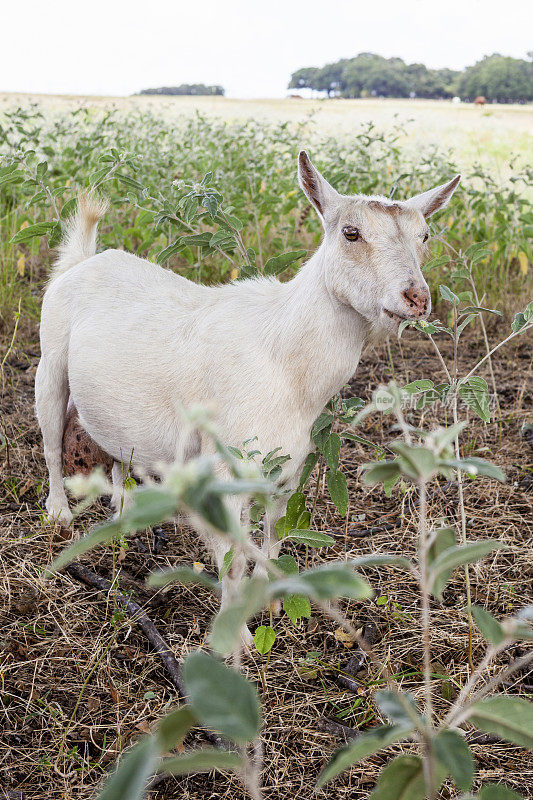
(498, 78)
(372, 74)
(330, 78)
(304, 78)
(187, 89)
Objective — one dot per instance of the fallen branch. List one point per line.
(476, 737)
(327, 725)
(90, 578)
(362, 533)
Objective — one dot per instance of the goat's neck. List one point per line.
(320, 338)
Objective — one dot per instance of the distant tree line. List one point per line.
(186, 88)
(498, 78)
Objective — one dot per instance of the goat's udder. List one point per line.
(81, 454)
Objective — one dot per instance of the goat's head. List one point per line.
(374, 247)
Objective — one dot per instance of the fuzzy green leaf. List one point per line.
(338, 490)
(203, 760)
(476, 466)
(415, 462)
(133, 772)
(418, 386)
(173, 728)
(278, 264)
(228, 623)
(475, 394)
(380, 471)
(403, 779)
(335, 579)
(448, 295)
(497, 791)
(311, 538)
(332, 450)
(519, 322)
(149, 506)
(380, 559)
(506, 716)
(310, 464)
(454, 754)
(488, 625)
(402, 713)
(444, 539)
(454, 557)
(31, 231)
(101, 535)
(221, 698)
(366, 744)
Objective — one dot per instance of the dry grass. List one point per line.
(79, 682)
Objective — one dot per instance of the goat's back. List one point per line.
(142, 341)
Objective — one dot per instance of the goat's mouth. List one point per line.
(394, 316)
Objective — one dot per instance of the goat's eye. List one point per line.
(350, 233)
(425, 236)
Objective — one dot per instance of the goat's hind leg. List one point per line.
(121, 498)
(51, 398)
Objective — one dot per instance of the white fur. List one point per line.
(132, 342)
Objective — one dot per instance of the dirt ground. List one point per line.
(80, 682)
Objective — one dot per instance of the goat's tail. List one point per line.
(79, 241)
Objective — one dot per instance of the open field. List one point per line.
(492, 134)
(79, 680)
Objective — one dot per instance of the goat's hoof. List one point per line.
(57, 513)
(120, 503)
(247, 640)
(260, 572)
(275, 607)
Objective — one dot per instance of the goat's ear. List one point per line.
(317, 189)
(435, 199)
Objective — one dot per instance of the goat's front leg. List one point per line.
(231, 581)
(271, 544)
(51, 397)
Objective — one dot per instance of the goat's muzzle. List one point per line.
(416, 301)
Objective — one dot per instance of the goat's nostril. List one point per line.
(417, 298)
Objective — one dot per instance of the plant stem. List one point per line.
(487, 345)
(318, 479)
(442, 361)
(389, 356)
(463, 534)
(467, 688)
(251, 774)
(429, 772)
(508, 339)
(332, 611)
(12, 342)
(462, 714)
(424, 591)
(9, 349)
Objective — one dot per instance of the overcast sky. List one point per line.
(251, 48)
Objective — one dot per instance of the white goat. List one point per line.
(133, 342)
